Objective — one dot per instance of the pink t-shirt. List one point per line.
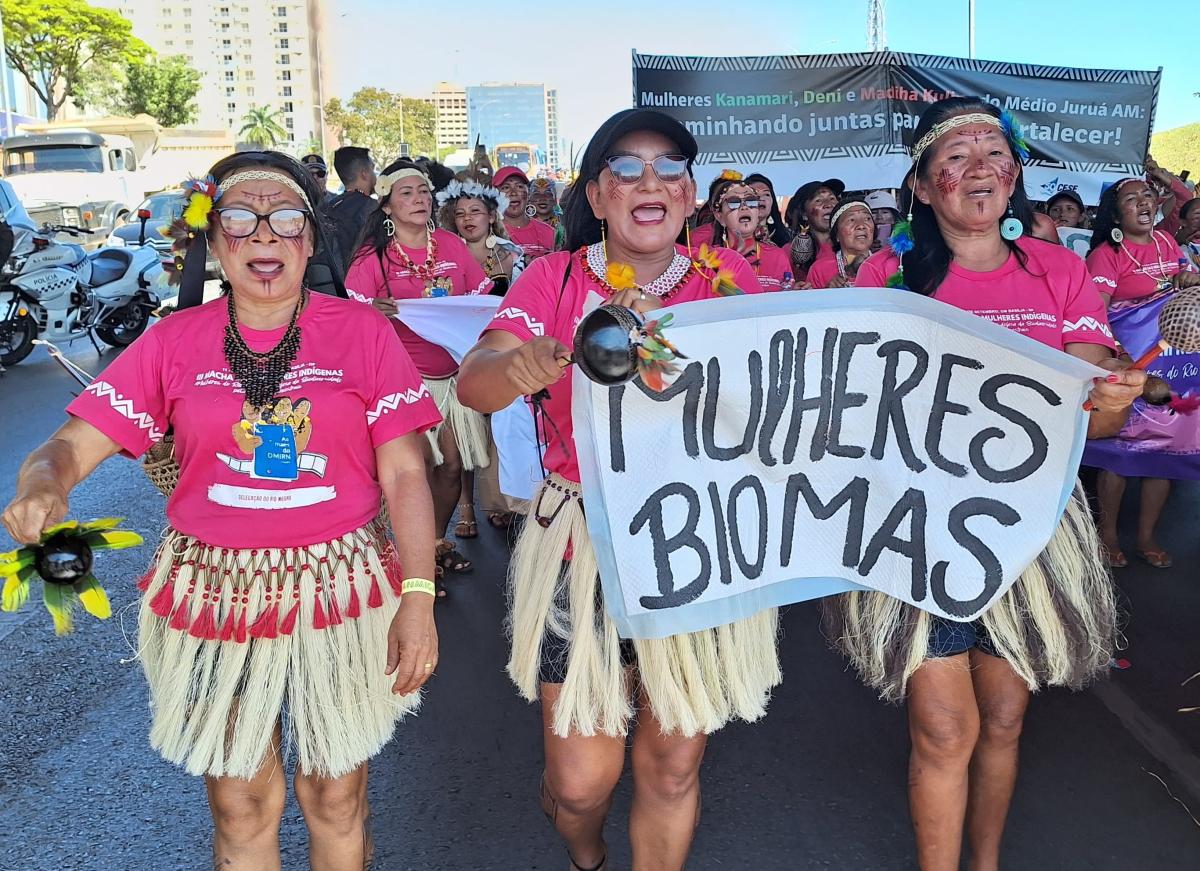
(1050, 299)
(772, 266)
(536, 238)
(702, 235)
(1133, 271)
(535, 307)
(1171, 222)
(298, 471)
(456, 273)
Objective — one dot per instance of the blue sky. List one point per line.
(584, 49)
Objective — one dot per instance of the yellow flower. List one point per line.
(620, 276)
(731, 175)
(708, 257)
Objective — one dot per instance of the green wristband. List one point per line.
(418, 585)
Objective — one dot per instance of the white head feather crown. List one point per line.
(475, 191)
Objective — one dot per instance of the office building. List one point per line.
(511, 113)
(250, 54)
(450, 103)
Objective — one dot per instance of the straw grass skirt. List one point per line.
(695, 682)
(1056, 626)
(468, 425)
(230, 640)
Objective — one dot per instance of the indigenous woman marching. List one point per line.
(852, 234)
(276, 607)
(404, 256)
(1137, 270)
(473, 211)
(535, 237)
(628, 206)
(738, 217)
(807, 216)
(770, 224)
(968, 684)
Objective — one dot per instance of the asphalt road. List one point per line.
(820, 783)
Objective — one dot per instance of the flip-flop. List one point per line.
(1116, 559)
(1158, 559)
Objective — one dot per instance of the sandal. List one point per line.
(1158, 559)
(450, 560)
(439, 586)
(500, 519)
(1117, 559)
(466, 528)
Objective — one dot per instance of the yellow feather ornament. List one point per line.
(196, 213)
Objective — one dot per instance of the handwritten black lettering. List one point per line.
(1040, 445)
(993, 573)
(891, 400)
(651, 514)
(941, 407)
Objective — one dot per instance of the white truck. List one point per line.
(77, 178)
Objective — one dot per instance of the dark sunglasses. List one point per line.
(242, 223)
(629, 168)
(735, 203)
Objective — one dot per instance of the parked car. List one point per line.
(163, 208)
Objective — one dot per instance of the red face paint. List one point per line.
(615, 190)
(948, 181)
(1007, 172)
(233, 243)
(678, 192)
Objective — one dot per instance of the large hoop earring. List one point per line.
(1010, 227)
(389, 227)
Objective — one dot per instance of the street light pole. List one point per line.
(971, 29)
(4, 93)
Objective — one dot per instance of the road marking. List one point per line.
(1154, 736)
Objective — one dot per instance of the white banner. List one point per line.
(454, 323)
(824, 441)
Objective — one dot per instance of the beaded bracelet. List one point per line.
(418, 585)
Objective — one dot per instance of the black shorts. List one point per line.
(552, 667)
(948, 638)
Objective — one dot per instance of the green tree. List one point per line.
(165, 89)
(51, 42)
(261, 127)
(380, 120)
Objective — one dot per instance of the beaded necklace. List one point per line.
(595, 265)
(261, 372)
(426, 270)
(1139, 266)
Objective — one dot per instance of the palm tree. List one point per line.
(261, 127)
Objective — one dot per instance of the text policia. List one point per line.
(924, 413)
(823, 119)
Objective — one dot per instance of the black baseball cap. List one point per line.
(629, 121)
(1073, 196)
(311, 159)
(808, 190)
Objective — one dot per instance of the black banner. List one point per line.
(798, 118)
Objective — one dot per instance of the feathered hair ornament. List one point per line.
(901, 242)
(730, 175)
(1016, 137)
(472, 190)
(200, 195)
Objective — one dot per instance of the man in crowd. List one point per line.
(536, 238)
(347, 212)
(320, 171)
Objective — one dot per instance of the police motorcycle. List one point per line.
(60, 292)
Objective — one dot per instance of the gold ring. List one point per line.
(429, 666)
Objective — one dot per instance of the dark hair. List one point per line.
(350, 161)
(439, 175)
(580, 224)
(1108, 217)
(191, 288)
(779, 233)
(794, 216)
(372, 234)
(716, 193)
(1187, 207)
(833, 236)
(926, 266)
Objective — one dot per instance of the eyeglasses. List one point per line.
(242, 223)
(318, 173)
(629, 168)
(735, 203)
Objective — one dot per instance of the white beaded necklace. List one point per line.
(659, 287)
